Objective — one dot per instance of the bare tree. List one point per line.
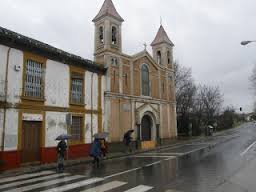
(185, 92)
(212, 100)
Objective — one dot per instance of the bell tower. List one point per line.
(108, 29)
(162, 48)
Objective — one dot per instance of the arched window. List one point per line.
(101, 34)
(145, 80)
(158, 54)
(114, 35)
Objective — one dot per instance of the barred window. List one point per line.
(76, 128)
(77, 88)
(33, 86)
(145, 80)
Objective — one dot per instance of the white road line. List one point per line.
(248, 148)
(3, 180)
(142, 156)
(169, 158)
(46, 184)
(153, 164)
(74, 185)
(140, 188)
(120, 173)
(162, 154)
(106, 187)
(32, 180)
(194, 150)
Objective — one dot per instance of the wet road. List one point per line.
(192, 167)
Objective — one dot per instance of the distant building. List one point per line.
(140, 91)
(45, 92)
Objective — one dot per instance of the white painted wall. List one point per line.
(88, 128)
(11, 130)
(56, 84)
(88, 101)
(55, 124)
(15, 77)
(3, 57)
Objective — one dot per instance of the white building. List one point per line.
(40, 86)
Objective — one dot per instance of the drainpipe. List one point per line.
(92, 107)
(5, 96)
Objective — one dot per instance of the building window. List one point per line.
(168, 57)
(114, 62)
(77, 82)
(145, 80)
(101, 35)
(114, 35)
(158, 54)
(34, 79)
(76, 128)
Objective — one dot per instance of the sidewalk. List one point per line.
(84, 160)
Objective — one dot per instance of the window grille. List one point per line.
(76, 128)
(34, 79)
(77, 89)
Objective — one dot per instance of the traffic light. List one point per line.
(240, 109)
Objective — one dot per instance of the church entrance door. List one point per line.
(146, 125)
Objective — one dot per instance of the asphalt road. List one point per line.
(206, 165)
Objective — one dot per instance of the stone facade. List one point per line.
(125, 103)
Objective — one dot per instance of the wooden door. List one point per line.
(31, 141)
(146, 128)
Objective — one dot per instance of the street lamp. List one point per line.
(247, 42)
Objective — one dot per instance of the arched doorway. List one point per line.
(146, 125)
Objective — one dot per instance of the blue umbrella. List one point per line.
(63, 137)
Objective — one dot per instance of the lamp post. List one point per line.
(247, 42)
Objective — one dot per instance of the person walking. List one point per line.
(103, 147)
(96, 152)
(61, 149)
(128, 140)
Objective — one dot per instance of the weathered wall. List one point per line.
(11, 130)
(57, 84)
(55, 125)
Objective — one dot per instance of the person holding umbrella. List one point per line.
(96, 152)
(61, 149)
(128, 139)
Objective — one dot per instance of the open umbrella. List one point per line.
(63, 137)
(128, 133)
(102, 135)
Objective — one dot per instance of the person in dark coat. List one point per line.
(103, 147)
(96, 152)
(128, 139)
(61, 149)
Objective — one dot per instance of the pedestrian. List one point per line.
(96, 152)
(127, 140)
(61, 149)
(103, 147)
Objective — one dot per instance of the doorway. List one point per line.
(146, 125)
(30, 151)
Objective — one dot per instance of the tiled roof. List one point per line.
(21, 42)
(161, 37)
(108, 9)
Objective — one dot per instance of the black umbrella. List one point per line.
(128, 133)
(102, 135)
(63, 137)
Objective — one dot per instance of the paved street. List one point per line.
(220, 163)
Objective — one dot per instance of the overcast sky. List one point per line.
(206, 34)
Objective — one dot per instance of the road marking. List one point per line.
(160, 153)
(106, 187)
(32, 180)
(169, 158)
(153, 164)
(152, 156)
(3, 180)
(74, 185)
(120, 173)
(46, 184)
(248, 148)
(140, 188)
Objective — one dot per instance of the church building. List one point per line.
(140, 90)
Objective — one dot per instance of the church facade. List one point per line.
(46, 92)
(140, 90)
